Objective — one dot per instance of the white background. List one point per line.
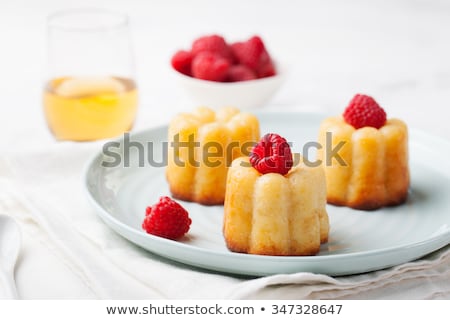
(397, 51)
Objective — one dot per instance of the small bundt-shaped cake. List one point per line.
(365, 157)
(202, 145)
(271, 213)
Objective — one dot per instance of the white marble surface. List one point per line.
(397, 51)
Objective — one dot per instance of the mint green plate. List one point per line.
(359, 241)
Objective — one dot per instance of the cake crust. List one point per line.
(276, 215)
(202, 145)
(375, 172)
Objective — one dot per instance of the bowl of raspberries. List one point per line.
(216, 73)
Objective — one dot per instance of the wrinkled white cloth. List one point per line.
(68, 252)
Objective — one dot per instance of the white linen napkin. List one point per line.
(80, 257)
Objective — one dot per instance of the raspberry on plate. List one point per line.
(272, 154)
(212, 43)
(181, 61)
(167, 219)
(364, 111)
(210, 66)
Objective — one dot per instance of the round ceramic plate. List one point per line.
(359, 241)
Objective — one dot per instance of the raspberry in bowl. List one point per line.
(217, 73)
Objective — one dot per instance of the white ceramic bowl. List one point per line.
(242, 94)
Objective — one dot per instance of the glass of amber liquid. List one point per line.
(90, 92)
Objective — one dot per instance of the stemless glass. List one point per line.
(90, 92)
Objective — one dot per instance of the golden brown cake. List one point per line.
(202, 145)
(272, 214)
(371, 170)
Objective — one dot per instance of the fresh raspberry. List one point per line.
(210, 66)
(364, 111)
(181, 61)
(167, 219)
(240, 72)
(272, 154)
(254, 55)
(266, 70)
(213, 43)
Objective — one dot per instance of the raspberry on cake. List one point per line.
(272, 154)
(277, 212)
(364, 111)
(375, 172)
